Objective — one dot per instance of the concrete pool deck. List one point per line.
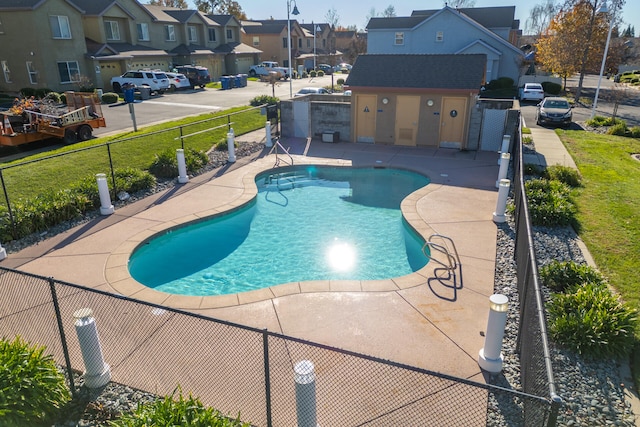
(417, 320)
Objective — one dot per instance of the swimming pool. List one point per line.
(306, 223)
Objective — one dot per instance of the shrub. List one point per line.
(598, 121)
(54, 97)
(527, 139)
(552, 88)
(63, 98)
(109, 98)
(549, 202)
(320, 73)
(565, 174)
(504, 82)
(165, 164)
(532, 169)
(133, 180)
(32, 389)
(42, 92)
(313, 73)
(264, 99)
(526, 131)
(176, 412)
(27, 92)
(619, 129)
(561, 275)
(340, 81)
(635, 132)
(592, 321)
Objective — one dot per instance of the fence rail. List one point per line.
(239, 369)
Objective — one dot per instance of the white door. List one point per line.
(492, 129)
(300, 119)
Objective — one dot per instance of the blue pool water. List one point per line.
(306, 223)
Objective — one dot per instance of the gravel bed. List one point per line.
(592, 392)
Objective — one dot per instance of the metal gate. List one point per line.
(493, 125)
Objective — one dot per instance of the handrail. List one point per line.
(453, 260)
(275, 148)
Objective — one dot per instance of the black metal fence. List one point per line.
(238, 369)
(536, 370)
(33, 178)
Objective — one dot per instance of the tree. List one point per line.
(540, 17)
(629, 32)
(554, 49)
(457, 4)
(170, 3)
(332, 17)
(221, 7)
(389, 12)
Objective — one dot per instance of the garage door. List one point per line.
(244, 64)
(108, 70)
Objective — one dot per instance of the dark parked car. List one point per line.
(197, 75)
(554, 111)
(326, 68)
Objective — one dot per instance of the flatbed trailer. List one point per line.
(85, 114)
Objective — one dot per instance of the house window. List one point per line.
(169, 33)
(143, 32)
(229, 35)
(60, 27)
(308, 43)
(212, 34)
(439, 36)
(285, 43)
(6, 72)
(33, 74)
(299, 43)
(111, 30)
(399, 39)
(193, 34)
(256, 41)
(1, 27)
(69, 71)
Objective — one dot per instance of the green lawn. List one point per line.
(55, 171)
(609, 210)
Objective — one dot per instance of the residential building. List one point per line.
(271, 37)
(86, 42)
(453, 31)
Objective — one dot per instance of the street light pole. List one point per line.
(294, 12)
(603, 9)
(314, 45)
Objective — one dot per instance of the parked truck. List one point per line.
(265, 67)
(84, 114)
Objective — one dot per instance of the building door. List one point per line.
(366, 118)
(453, 118)
(407, 115)
(493, 123)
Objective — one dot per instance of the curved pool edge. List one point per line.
(118, 277)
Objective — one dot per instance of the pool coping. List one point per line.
(117, 274)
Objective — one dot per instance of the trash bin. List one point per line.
(145, 92)
(128, 93)
(245, 77)
(238, 80)
(224, 82)
(232, 82)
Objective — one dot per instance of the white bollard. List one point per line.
(505, 146)
(490, 357)
(106, 207)
(3, 252)
(305, 379)
(504, 167)
(231, 147)
(97, 373)
(501, 206)
(182, 167)
(267, 128)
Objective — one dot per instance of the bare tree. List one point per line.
(389, 12)
(332, 17)
(540, 17)
(170, 3)
(458, 4)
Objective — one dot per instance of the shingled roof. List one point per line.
(418, 71)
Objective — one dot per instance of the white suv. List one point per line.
(156, 80)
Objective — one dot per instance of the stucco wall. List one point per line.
(331, 113)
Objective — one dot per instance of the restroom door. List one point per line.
(407, 114)
(366, 118)
(453, 118)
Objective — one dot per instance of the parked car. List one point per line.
(532, 92)
(347, 93)
(555, 111)
(178, 81)
(197, 75)
(326, 68)
(343, 67)
(157, 81)
(312, 91)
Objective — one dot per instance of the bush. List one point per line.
(561, 275)
(32, 389)
(592, 321)
(27, 92)
(619, 129)
(313, 73)
(165, 164)
(565, 174)
(552, 88)
(340, 81)
(54, 97)
(320, 73)
(533, 169)
(264, 99)
(598, 121)
(635, 132)
(176, 412)
(109, 98)
(549, 203)
(42, 92)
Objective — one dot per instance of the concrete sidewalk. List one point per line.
(549, 149)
